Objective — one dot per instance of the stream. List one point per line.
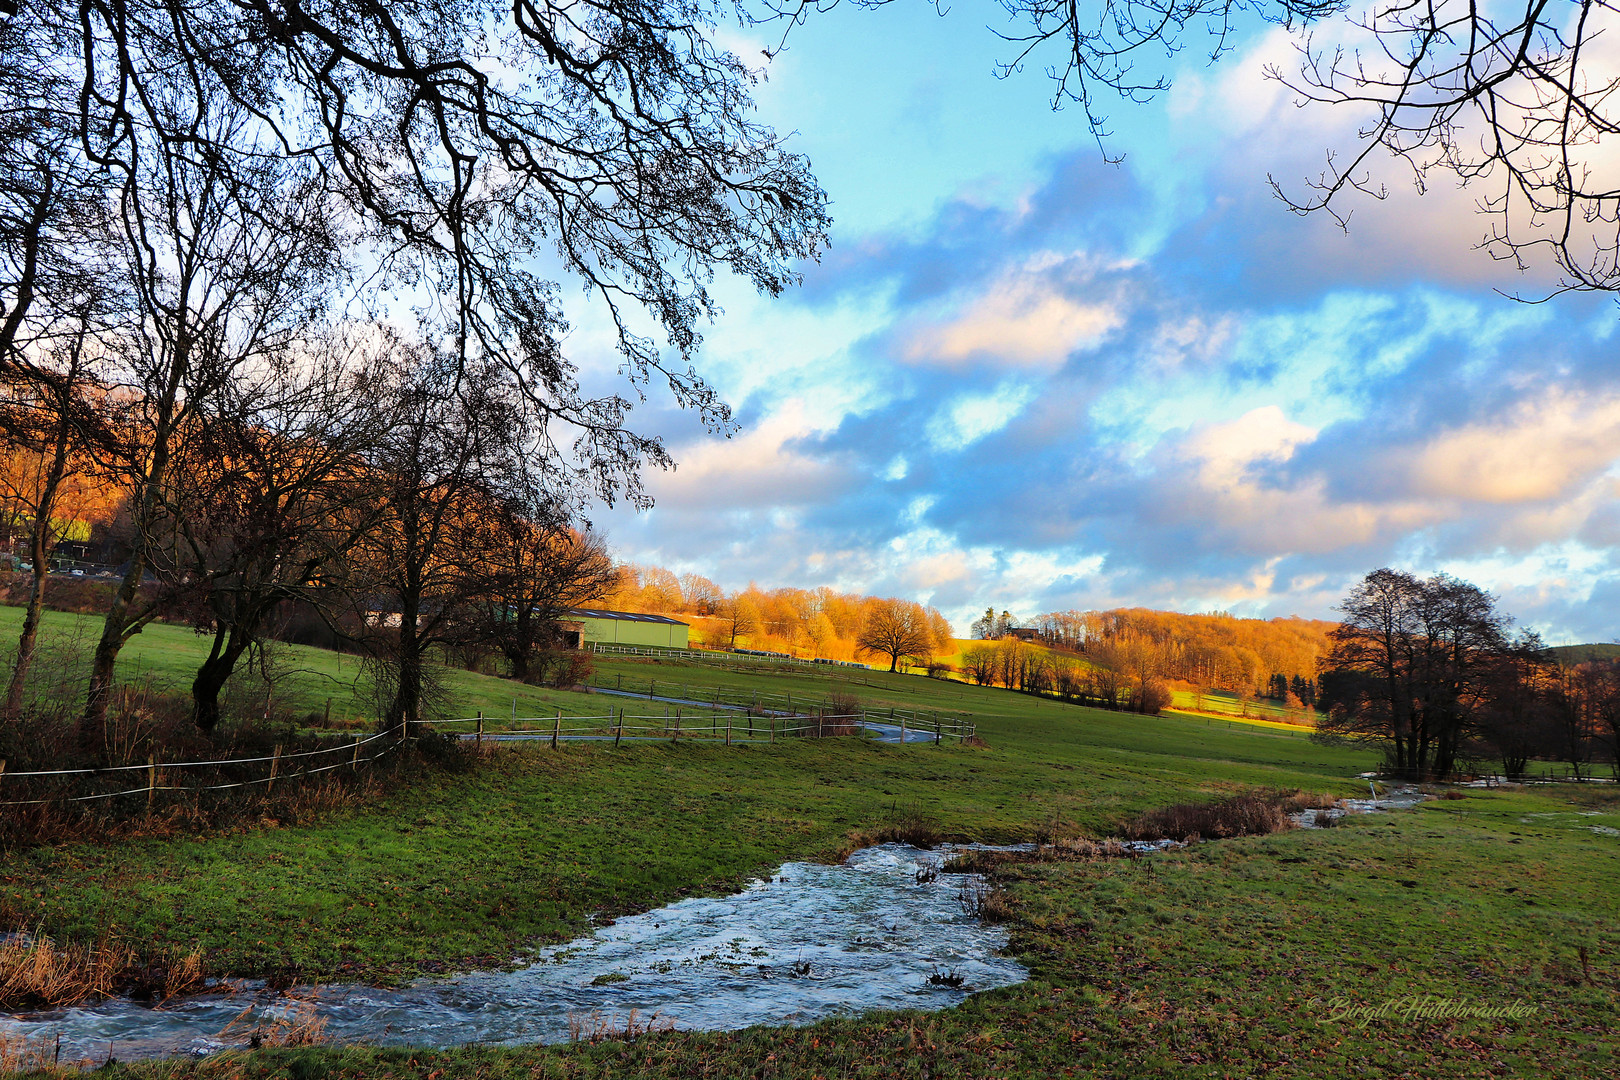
(810, 942)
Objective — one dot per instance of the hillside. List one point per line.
(1580, 654)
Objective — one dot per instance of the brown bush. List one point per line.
(1154, 697)
(1235, 815)
(36, 973)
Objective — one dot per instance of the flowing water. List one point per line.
(812, 941)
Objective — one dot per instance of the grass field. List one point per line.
(166, 658)
(1238, 957)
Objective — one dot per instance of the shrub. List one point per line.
(1236, 815)
(1154, 697)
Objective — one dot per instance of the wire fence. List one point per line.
(287, 767)
(716, 656)
(784, 703)
(720, 725)
(726, 726)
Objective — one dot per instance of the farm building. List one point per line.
(626, 628)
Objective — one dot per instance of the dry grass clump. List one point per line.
(596, 1026)
(1235, 815)
(19, 1054)
(1293, 802)
(986, 900)
(911, 826)
(35, 973)
(837, 716)
(300, 1025)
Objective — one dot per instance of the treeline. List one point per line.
(806, 622)
(1264, 657)
(1012, 664)
(1427, 670)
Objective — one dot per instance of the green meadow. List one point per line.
(1304, 953)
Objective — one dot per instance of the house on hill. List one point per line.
(591, 626)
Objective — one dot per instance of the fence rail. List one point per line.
(715, 656)
(722, 725)
(348, 753)
(728, 726)
(731, 697)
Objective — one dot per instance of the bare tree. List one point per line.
(470, 142)
(53, 423)
(279, 494)
(699, 595)
(1417, 656)
(535, 565)
(229, 259)
(450, 458)
(740, 616)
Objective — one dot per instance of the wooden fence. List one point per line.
(784, 703)
(725, 726)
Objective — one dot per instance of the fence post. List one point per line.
(556, 730)
(728, 731)
(821, 732)
(773, 731)
(790, 703)
(677, 735)
(151, 782)
(275, 764)
(936, 731)
(902, 731)
(651, 683)
(354, 761)
(619, 734)
(479, 741)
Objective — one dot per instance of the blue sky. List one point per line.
(1028, 379)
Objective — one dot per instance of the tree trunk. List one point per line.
(116, 627)
(407, 706)
(213, 674)
(38, 553)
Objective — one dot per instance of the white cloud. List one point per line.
(1023, 319)
(972, 417)
(1543, 450)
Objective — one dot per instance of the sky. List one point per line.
(1025, 378)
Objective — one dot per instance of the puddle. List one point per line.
(1394, 799)
(813, 941)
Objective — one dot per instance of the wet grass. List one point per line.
(457, 870)
(1225, 958)
(1305, 953)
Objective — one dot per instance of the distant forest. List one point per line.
(1215, 650)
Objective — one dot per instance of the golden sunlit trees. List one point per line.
(898, 629)
(739, 618)
(50, 481)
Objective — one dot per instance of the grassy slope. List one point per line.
(166, 658)
(456, 869)
(1217, 960)
(1579, 654)
(1237, 958)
